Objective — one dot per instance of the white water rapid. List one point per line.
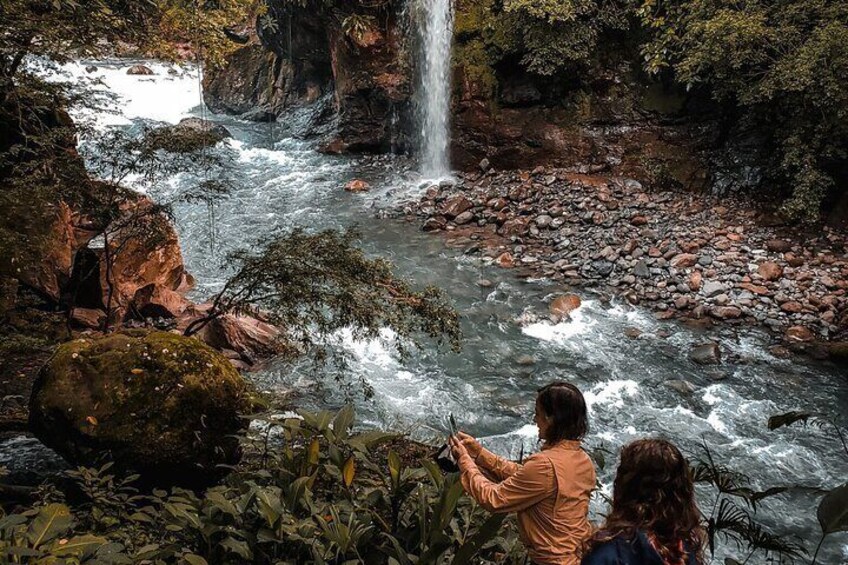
(436, 35)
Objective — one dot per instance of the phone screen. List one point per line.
(454, 430)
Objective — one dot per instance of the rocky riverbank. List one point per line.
(683, 255)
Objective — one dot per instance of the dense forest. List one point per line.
(616, 122)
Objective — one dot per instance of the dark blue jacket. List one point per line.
(622, 551)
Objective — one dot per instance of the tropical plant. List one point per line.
(314, 493)
(832, 511)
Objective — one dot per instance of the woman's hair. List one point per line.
(653, 492)
(563, 404)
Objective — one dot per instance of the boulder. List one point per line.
(88, 318)
(149, 256)
(191, 134)
(251, 337)
(564, 305)
(160, 404)
(706, 354)
(139, 70)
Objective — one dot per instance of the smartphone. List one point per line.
(453, 428)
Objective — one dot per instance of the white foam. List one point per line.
(137, 96)
(612, 393)
(579, 324)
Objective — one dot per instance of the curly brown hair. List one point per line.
(653, 492)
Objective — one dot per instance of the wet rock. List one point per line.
(252, 337)
(139, 70)
(799, 334)
(157, 403)
(456, 205)
(357, 185)
(564, 305)
(464, 218)
(525, 360)
(485, 283)
(726, 312)
(603, 267)
(770, 271)
(681, 386)
(505, 260)
(435, 224)
(632, 332)
(484, 164)
(90, 69)
(706, 354)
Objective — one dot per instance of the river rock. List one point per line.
(799, 334)
(683, 260)
(157, 403)
(564, 305)
(770, 271)
(778, 245)
(456, 205)
(505, 260)
(712, 288)
(682, 386)
(695, 281)
(706, 354)
(357, 185)
(251, 336)
(464, 218)
(139, 70)
(190, 134)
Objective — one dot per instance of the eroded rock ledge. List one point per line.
(681, 254)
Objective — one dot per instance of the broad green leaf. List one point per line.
(394, 468)
(343, 421)
(487, 530)
(349, 471)
(51, 522)
(193, 559)
(833, 510)
(79, 546)
(314, 451)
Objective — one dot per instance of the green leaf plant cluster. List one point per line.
(312, 491)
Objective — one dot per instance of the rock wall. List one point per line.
(311, 51)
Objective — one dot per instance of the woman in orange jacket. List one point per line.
(550, 491)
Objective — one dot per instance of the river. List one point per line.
(283, 182)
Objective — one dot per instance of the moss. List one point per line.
(476, 65)
(153, 400)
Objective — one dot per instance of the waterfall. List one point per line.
(436, 34)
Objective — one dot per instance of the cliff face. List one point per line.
(358, 55)
(300, 54)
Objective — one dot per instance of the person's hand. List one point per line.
(471, 445)
(460, 453)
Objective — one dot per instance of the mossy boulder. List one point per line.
(158, 403)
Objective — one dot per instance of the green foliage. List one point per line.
(296, 504)
(783, 63)
(548, 36)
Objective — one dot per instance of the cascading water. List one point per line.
(436, 34)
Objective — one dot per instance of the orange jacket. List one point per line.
(550, 492)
